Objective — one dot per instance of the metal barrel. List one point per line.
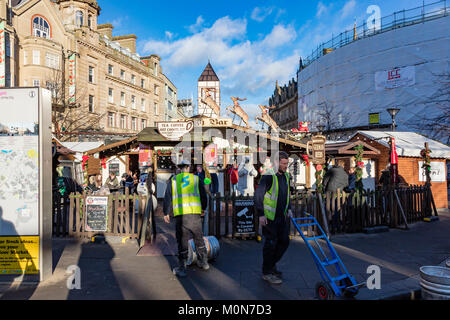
(435, 283)
(212, 247)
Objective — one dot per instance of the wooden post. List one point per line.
(71, 198)
(401, 209)
(324, 216)
(217, 215)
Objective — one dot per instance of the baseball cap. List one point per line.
(184, 163)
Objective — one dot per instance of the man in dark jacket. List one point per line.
(335, 178)
(273, 205)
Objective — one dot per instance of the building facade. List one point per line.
(284, 99)
(186, 107)
(98, 81)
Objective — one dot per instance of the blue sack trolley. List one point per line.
(344, 283)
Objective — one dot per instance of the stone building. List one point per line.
(284, 99)
(98, 81)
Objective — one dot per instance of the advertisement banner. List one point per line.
(72, 78)
(395, 78)
(2, 54)
(19, 255)
(437, 173)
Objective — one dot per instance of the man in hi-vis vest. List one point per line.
(185, 197)
(273, 205)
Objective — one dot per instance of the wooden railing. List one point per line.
(124, 215)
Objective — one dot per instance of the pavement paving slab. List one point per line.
(113, 270)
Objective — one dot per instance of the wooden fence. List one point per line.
(337, 212)
(124, 215)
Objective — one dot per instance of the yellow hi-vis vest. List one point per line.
(270, 198)
(186, 194)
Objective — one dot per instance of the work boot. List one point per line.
(272, 279)
(202, 261)
(180, 271)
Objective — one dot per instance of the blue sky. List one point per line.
(250, 43)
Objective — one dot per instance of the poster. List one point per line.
(19, 255)
(395, 78)
(96, 213)
(245, 214)
(437, 172)
(19, 167)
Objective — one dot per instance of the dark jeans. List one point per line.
(276, 234)
(185, 226)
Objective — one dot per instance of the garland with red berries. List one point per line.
(359, 167)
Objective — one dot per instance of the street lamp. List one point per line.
(393, 112)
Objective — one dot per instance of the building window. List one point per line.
(111, 120)
(169, 105)
(122, 99)
(156, 108)
(110, 95)
(156, 89)
(110, 69)
(52, 60)
(36, 83)
(143, 124)
(123, 122)
(133, 102)
(91, 74)
(79, 18)
(25, 57)
(156, 69)
(133, 123)
(91, 103)
(41, 28)
(122, 74)
(36, 57)
(89, 21)
(142, 104)
(133, 79)
(142, 83)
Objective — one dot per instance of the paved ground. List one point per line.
(113, 271)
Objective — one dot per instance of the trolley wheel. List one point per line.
(348, 293)
(324, 291)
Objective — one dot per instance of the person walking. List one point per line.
(185, 198)
(273, 205)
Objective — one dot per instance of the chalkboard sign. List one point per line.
(114, 168)
(245, 214)
(96, 213)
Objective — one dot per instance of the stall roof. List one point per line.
(82, 146)
(108, 147)
(151, 134)
(344, 148)
(409, 144)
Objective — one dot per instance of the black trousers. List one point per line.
(276, 234)
(185, 226)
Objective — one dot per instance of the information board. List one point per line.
(245, 216)
(96, 214)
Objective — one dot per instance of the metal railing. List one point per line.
(396, 20)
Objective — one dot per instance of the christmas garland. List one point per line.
(425, 153)
(359, 167)
(319, 178)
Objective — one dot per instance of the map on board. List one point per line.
(19, 164)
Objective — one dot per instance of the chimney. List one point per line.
(105, 30)
(128, 41)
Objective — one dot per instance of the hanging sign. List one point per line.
(174, 130)
(245, 216)
(2, 54)
(395, 78)
(72, 78)
(437, 173)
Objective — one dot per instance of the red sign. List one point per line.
(145, 157)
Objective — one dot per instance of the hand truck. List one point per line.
(344, 283)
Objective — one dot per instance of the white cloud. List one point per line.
(321, 9)
(279, 36)
(260, 14)
(197, 26)
(348, 8)
(169, 34)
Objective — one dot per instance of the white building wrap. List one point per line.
(407, 67)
